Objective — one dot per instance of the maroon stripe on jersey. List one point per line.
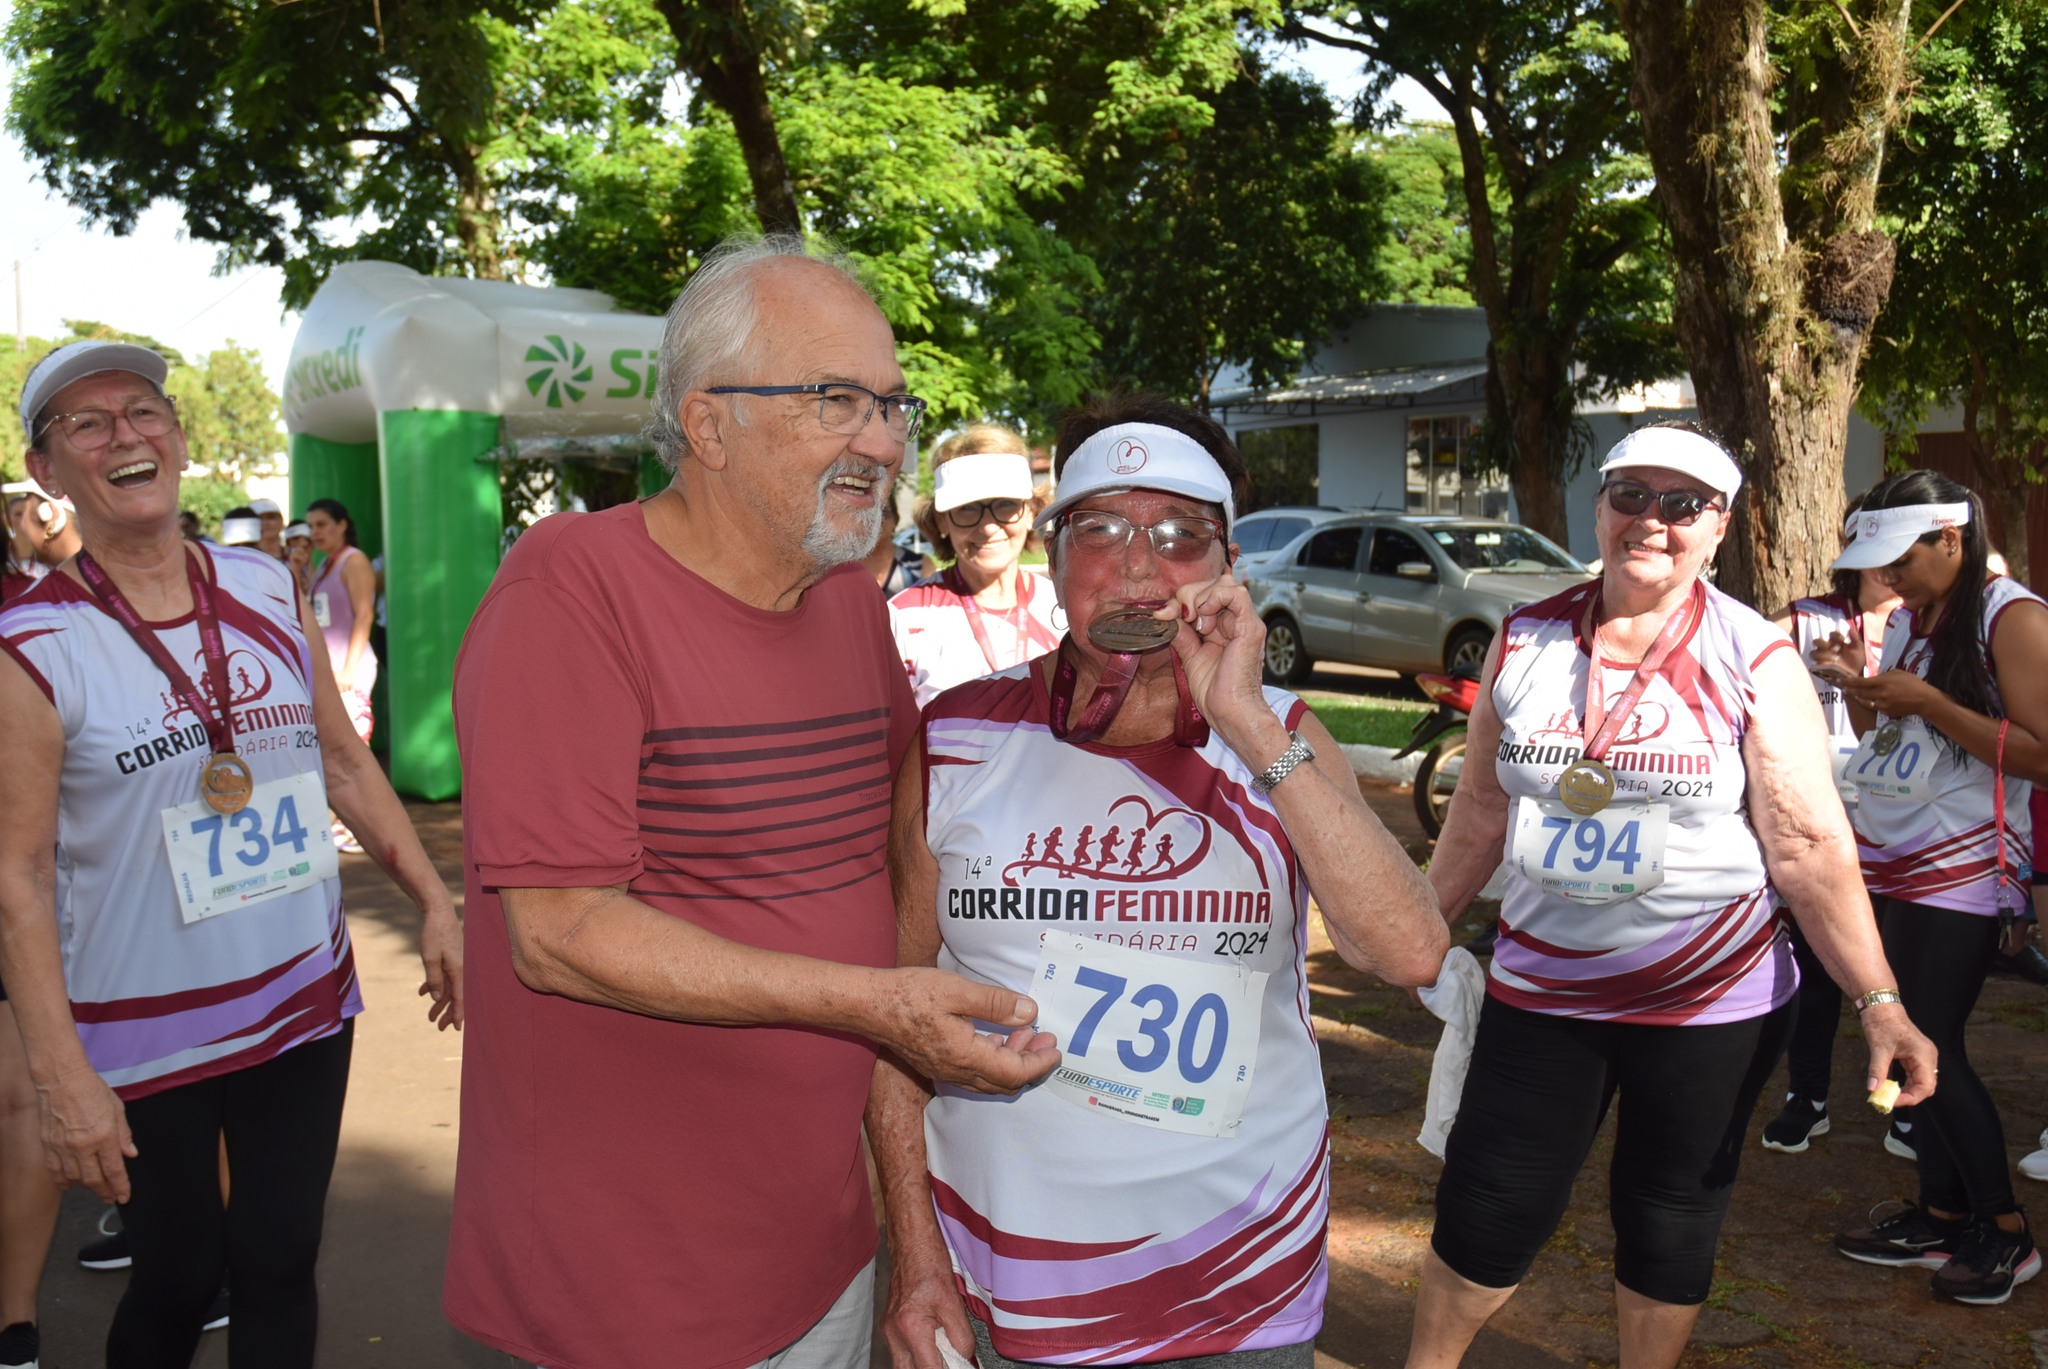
(725, 833)
(1008, 1247)
(321, 996)
(162, 1005)
(213, 1069)
(7, 645)
(772, 753)
(675, 734)
(757, 804)
(869, 830)
(265, 632)
(1768, 651)
(741, 781)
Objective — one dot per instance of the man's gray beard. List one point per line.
(827, 546)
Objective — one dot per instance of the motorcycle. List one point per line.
(1442, 731)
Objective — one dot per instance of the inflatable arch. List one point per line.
(403, 395)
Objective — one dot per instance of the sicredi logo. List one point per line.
(1127, 457)
(325, 373)
(564, 370)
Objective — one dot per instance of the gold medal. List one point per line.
(1887, 739)
(225, 782)
(1586, 787)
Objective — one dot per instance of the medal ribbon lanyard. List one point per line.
(220, 730)
(1602, 726)
(1189, 729)
(1027, 628)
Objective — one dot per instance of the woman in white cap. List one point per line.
(1955, 726)
(985, 612)
(1132, 827)
(1649, 757)
(171, 930)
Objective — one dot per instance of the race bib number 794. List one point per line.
(1149, 1039)
(1604, 857)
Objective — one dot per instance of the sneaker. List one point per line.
(2028, 964)
(110, 1251)
(1898, 1139)
(2035, 1166)
(216, 1315)
(1988, 1264)
(1801, 1121)
(20, 1346)
(1907, 1237)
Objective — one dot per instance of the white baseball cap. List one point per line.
(1141, 456)
(1882, 536)
(978, 476)
(77, 360)
(1675, 449)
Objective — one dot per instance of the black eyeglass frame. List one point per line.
(914, 407)
(1680, 518)
(988, 514)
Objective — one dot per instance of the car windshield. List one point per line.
(1501, 546)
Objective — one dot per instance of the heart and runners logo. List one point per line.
(248, 681)
(1648, 721)
(1134, 844)
(565, 369)
(1128, 457)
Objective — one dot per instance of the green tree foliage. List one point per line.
(1427, 257)
(1565, 249)
(1964, 195)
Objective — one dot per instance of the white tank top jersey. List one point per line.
(1813, 621)
(935, 635)
(160, 1002)
(1707, 945)
(1944, 851)
(1076, 1236)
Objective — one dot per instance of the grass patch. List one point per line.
(1375, 722)
(2031, 1017)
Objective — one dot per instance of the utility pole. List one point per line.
(20, 334)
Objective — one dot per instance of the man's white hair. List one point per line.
(711, 325)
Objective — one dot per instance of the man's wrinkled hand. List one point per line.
(929, 1021)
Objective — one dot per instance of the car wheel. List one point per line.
(1467, 647)
(1287, 660)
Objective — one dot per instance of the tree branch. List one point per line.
(1935, 27)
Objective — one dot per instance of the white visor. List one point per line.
(1141, 456)
(1675, 449)
(297, 530)
(241, 532)
(982, 475)
(1882, 536)
(263, 506)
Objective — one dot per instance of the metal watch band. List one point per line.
(1877, 996)
(1297, 751)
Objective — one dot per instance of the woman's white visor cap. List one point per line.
(1675, 449)
(979, 476)
(1882, 536)
(1141, 456)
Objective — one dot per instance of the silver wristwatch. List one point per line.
(1297, 751)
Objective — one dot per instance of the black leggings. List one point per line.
(1810, 1058)
(282, 1121)
(1537, 1091)
(1941, 957)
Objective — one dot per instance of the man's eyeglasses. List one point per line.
(90, 429)
(1679, 508)
(1004, 511)
(844, 408)
(1173, 539)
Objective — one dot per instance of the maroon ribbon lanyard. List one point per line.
(1020, 620)
(220, 731)
(1110, 693)
(1601, 726)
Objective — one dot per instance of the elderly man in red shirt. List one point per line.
(680, 720)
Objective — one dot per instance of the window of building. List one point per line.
(1285, 465)
(1445, 473)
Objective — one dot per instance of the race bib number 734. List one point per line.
(278, 843)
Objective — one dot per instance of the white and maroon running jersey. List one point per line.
(1813, 621)
(1707, 944)
(159, 1002)
(1944, 852)
(935, 634)
(1078, 1237)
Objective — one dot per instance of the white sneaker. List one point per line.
(2035, 1166)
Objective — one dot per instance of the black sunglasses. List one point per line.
(1679, 508)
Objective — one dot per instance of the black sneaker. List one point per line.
(1801, 1121)
(1907, 1237)
(216, 1315)
(1898, 1139)
(20, 1345)
(2028, 964)
(110, 1251)
(1988, 1264)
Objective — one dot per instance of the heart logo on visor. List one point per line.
(1127, 457)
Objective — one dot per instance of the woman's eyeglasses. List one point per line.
(1679, 508)
(1003, 511)
(1173, 539)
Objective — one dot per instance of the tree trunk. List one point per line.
(1528, 403)
(716, 43)
(1772, 325)
(476, 217)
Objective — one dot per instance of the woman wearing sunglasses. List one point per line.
(1955, 726)
(1132, 827)
(985, 612)
(1649, 757)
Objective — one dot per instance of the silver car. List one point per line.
(1407, 593)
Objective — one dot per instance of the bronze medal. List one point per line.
(1586, 787)
(1132, 630)
(225, 782)
(1887, 739)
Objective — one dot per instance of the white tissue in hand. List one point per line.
(948, 1356)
